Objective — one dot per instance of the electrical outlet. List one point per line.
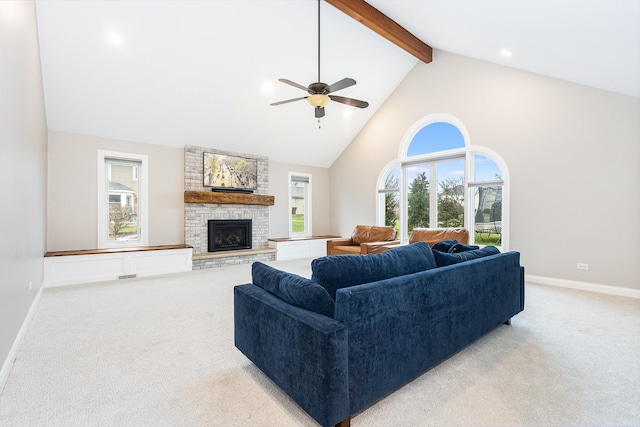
(30, 285)
(583, 266)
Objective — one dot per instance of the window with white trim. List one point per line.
(299, 204)
(122, 199)
(389, 197)
(441, 181)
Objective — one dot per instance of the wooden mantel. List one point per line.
(222, 198)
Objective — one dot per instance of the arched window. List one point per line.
(440, 180)
(435, 137)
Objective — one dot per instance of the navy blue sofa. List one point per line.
(365, 325)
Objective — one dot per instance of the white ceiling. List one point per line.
(204, 72)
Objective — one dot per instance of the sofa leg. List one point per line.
(508, 322)
(344, 423)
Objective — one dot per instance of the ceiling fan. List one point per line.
(319, 93)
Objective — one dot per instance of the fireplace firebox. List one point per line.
(229, 234)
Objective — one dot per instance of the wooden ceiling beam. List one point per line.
(377, 21)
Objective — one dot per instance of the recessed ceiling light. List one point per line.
(267, 88)
(506, 53)
(115, 38)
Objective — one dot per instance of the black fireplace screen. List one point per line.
(229, 234)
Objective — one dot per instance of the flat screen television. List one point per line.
(230, 173)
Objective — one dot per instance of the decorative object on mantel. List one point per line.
(207, 197)
(231, 190)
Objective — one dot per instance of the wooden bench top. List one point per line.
(116, 250)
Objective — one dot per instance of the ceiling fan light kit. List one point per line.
(318, 100)
(319, 92)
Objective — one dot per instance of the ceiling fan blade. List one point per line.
(349, 101)
(294, 84)
(319, 112)
(344, 83)
(287, 101)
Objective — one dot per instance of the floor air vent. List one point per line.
(127, 276)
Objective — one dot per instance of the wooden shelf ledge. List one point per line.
(221, 198)
(236, 253)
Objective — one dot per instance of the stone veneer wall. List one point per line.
(196, 215)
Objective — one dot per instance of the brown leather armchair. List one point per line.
(435, 235)
(365, 239)
(431, 236)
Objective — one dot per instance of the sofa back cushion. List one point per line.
(452, 246)
(372, 233)
(444, 245)
(444, 258)
(294, 289)
(459, 247)
(433, 235)
(341, 271)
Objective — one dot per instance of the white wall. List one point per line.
(279, 187)
(23, 171)
(72, 216)
(573, 154)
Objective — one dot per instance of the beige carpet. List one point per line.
(159, 352)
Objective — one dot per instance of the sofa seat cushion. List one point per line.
(294, 289)
(353, 250)
(341, 271)
(445, 258)
(444, 245)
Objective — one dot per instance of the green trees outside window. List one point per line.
(451, 203)
(392, 201)
(418, 202)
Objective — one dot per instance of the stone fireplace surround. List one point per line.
(196, 215)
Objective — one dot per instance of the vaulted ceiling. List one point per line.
(204, 72)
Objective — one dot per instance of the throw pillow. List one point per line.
(444, 258)
(444, 245)
(462, 248)
(340, 271)
(294, 289)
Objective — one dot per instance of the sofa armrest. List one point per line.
(345, 241)
(303, 352)
(376, 247)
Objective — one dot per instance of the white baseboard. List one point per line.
(584, 286)
(8, 363)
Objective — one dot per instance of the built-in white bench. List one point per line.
(300, 247)
(94, 265)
